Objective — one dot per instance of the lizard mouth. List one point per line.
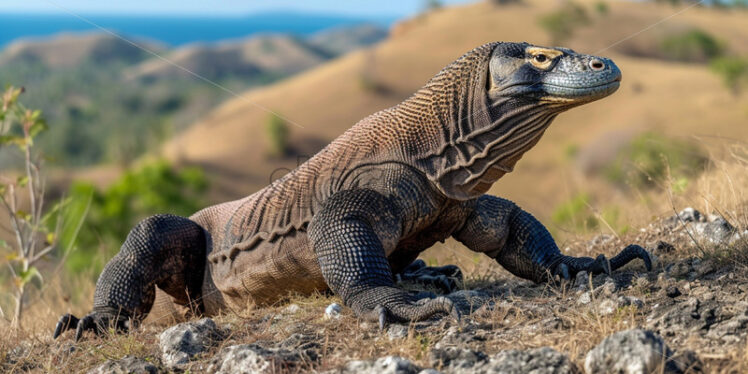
(558, 92)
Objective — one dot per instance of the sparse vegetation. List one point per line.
(732, 70)
(692, 46)
(560, 24)
(602, 8)
(38, 233)
(650, 159)
(277, 132)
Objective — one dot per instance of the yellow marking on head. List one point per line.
(542, 58)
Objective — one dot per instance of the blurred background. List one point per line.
(167, 107)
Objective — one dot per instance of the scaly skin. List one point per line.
(360, 211)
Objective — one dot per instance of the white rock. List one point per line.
(241, 359)
(333, 311)
(634, 351)
(292, 308)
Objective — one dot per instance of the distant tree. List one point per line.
(432, 5)
(602, 8)
(733, 70)
(692, 46)
(277, 131)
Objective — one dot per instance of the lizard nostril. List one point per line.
(596, 64)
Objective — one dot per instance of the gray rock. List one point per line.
(718, 230)
(631, 352)
(689, 215)
(662, 247)
(242, 359)
(624, 301)
(582, 281)
(396, 331)
(585, 298)
(455, 358)
(429, 371)
(125, 365)
(543, 360)
(672, 291)
(384, 365)
(607, 307)
(181, 342)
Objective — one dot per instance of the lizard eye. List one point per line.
(541, 61)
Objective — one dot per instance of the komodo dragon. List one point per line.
(361, 210)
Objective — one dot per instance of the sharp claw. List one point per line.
(66, 322)
(382, 312)
(83, 325)
(602, 265)
(563, 270)
(644, 255)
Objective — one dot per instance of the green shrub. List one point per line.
(645, 161)
(692, 46)
(733, 70)
(277, 130)
(560, 24)
(154, 188)
(575, 213)
(602, 8)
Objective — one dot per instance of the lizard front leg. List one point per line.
(351, 236)
(163, 250)
(522, 245)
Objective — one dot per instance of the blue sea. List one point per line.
(175, 30)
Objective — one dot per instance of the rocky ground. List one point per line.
(688, 315)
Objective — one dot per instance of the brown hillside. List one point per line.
(70, 49)
(279, 54)
(678, 99)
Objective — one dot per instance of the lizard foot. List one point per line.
(569, 266)
(445, 279)
(97, 322)
(401, 311)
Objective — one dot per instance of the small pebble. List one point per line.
(333, 311)
(292, 309)
(672, 291)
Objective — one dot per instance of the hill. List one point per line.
(70, 49)
(71, 76)
(675, 98)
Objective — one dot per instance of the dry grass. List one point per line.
(328, 99)
(525, 315)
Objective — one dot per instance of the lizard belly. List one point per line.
(269, 272)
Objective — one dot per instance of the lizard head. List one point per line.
(556, 76)
(490, 106)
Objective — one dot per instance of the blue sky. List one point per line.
(219, 7)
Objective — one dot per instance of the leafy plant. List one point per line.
(562, 23)
(277, 130)
(692, 46)
(152, 188)
(733, 70)
(37, 233)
